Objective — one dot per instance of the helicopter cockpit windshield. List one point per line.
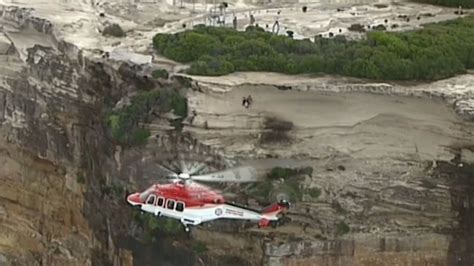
(144, 195)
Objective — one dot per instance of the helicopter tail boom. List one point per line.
(276, 208)
(272, 214)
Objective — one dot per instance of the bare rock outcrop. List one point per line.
(386, 195)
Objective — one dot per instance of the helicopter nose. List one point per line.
(134, 199)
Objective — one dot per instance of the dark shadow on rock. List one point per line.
(160, 252)
(276, 131)
(461, 247)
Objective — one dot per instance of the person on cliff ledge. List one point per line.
(249, 101)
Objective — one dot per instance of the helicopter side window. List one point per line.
(179, 206)
(170, 204)
(151, 199)
(160, 202)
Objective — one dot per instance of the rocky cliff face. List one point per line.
(389, 166)
(45, 128)
(52, 143)
(63, 180)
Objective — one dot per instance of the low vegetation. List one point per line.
(380, 5)
(231, 260)
(158, 226)
(160, 73)
(338, 207)
(80, 179)
(266, 192)
(115, 190)
(437, 51)
(280, 172)
(451, 3)
(379, 27)
(342, 228)
(261, 192)
(357, 28)
(114, 30)
(125, 122)
(313, 192)
(199, 247)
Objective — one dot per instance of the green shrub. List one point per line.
(357, 28)
(179, 104)
(80, 179)
(338, 207)
(154, 225)
(291, 189)
(118, 190)
(342, 228)
(280, 172)
(231, 260)
(170, 226)
(124, 123)
(186, 47)
(114, 30)
(211, 66)
(199, 247)
(283, 172)
(160, 73)
(307, 171)
(139, 136)
(261, 191)
(451, 3)
(380, 27)
(435, 52)
(313, 192)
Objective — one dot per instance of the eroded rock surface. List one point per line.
(378, 156)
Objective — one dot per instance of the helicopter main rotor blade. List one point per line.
(197, 189)
(238, 174)
(199, 167)
(169, 172)
(174, 165)
(182, 165)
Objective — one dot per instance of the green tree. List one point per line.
(451, 3)
(437, 51)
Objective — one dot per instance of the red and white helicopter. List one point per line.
(192, 203)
